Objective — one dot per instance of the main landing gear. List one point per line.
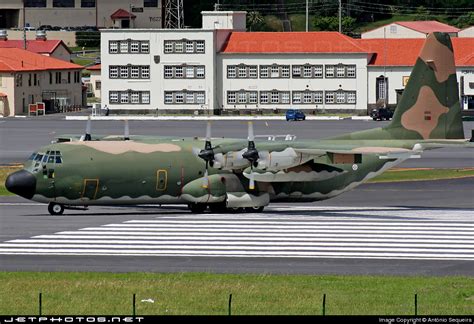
(198, 208)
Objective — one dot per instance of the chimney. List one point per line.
(41, 35)
(3, 35)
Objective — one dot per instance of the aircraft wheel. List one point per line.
(197, 208)
(254, 209)
(55, 209)
(218, 208)
(234, 210)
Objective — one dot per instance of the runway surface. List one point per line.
(380, 237)
(19, 137)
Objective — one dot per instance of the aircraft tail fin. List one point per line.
(429, 107)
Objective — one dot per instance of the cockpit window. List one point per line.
(59, 159)
(32, 156)
(38, 157)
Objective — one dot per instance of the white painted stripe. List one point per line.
(296, 222)
(218, 243)
(264, 230)
(280, 238)
(467, 251)
(435, 256)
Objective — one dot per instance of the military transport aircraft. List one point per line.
(246, 175)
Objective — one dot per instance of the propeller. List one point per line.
(87, 135)
(207, 154)
(251, 154)
(126, 131)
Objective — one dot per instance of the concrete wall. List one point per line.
(7, 86)
(96, 77)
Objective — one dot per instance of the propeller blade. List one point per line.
(250, 136)
(126, 131)
(252, 181)
(208, 131)
(205, 181)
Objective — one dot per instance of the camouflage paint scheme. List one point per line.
(161, 170)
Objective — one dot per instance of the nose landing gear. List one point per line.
(55, 208)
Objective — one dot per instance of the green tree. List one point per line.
(255, 21)
(331, 23)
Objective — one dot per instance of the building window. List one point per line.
(77, 77)
(341, 97)
(129, 97)
(184, 97)
(275, 96)
(200, 72)
(145, 71)
(58, 77)
(63, 3)
(113, 72)
(35, 3)
(184, 71)
(242, 97)
(231, 97)
(113, 97)
(307, 71)
(134, 72)
(129, 72)
(241, 71)
(340, 71)
(150, 3)
(87, 3)
(307, 97)
(183, 46)
(129, 46)
(98, 85)
(329, 71)
(113, 47)
(231, 72)
(274, 71)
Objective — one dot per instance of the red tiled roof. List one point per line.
(404, 52)
(96, 67)
(290, 42)
(16, 59)
(36, 46)
(122, 14)
(428, 26)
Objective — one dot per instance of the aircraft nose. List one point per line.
(22, 183)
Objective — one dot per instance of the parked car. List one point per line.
(295, 114)
(381, 114)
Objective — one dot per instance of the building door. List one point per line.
(381, 90)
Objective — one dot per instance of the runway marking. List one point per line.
(304, 232)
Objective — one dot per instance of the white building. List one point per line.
(63, 13)
(392, 62)
(410, 29)
(467, 32)
(223, 69)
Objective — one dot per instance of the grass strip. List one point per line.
(396, 175)
(255, 294)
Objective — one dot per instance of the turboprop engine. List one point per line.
(224, 188)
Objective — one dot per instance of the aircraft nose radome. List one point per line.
(22, 183)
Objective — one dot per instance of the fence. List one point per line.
(229, 307)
